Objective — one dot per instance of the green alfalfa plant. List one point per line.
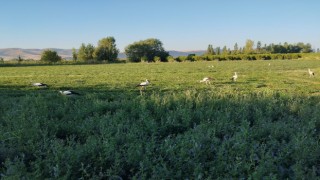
(15, 168)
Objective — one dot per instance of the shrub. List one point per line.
(50, 56)
(157, 59)
(171, 59)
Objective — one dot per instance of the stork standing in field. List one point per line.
(234, 77)
(143, 85)
(207, 80)
(311, 73)
(69, 93)
(40, 84)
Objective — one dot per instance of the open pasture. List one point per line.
(286, 76)
(264, 125)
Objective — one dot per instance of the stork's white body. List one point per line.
(68, 93)
(311, 73)
(144, 84)
(40, 84)
(235, 76)
(207, 80)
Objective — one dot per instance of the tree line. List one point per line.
(151, 50)
(148, 50)
(206, 57)
(106, 50)
(259, 49)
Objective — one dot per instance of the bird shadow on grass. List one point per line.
(261, 85)
(253, 80)
(234, 82)
(288, 82)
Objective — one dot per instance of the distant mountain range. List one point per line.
(13, 53)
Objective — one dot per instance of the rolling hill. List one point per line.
(13, 53)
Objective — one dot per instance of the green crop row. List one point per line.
(265, 125)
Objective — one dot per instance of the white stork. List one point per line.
(40, 84)
(207, 80)
(68, 93)
(311, 73)
(235, 76)
(143, 85)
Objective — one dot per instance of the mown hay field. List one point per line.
(264, 125)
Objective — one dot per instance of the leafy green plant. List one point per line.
(178, 128)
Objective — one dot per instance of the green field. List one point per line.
(264, 125)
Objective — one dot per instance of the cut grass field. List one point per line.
(280, 75)
(264, 125)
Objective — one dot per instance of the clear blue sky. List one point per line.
(179, 24)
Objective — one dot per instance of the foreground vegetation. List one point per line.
(265, 125)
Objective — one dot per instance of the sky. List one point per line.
(181, 25)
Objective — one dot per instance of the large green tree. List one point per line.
(106, 50)
(85, 52)
(50, 56)
(146, 50)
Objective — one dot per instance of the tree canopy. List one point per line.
(259, 49)
(146, 50)
(106, 50)
(85, 52)
(50, 56)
